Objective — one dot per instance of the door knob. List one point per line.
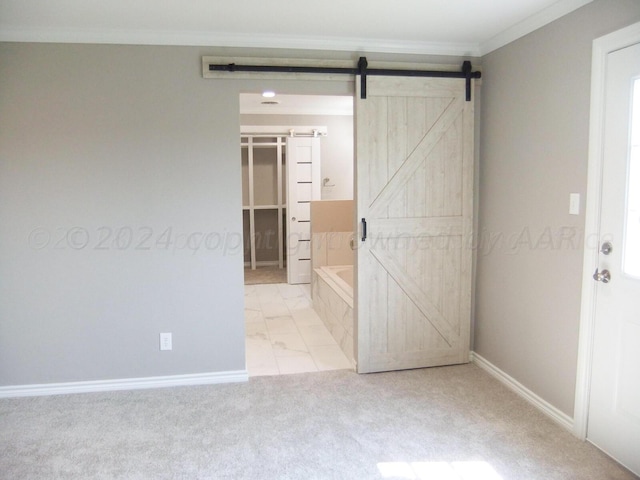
(293, 219)
(604, 276)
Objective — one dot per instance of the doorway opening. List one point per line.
(316, 131)
(297, 154)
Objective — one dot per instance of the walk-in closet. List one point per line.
(280, 178)
(263, 200)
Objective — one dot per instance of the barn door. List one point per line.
(414, 160)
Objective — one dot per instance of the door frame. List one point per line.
(602, 47)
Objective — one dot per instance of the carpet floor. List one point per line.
(449, 423)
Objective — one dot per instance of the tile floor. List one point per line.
(285, 335)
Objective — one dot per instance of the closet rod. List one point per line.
(362, 70)
(283, 135)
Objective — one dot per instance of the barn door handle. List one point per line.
(364, 229)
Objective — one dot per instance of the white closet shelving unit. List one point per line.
(264, 198)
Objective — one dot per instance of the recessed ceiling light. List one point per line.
(268, 94)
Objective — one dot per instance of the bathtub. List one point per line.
(340, 278)
(332, 293)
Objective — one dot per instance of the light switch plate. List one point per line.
(574, 204)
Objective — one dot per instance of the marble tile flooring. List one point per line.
(285, 335)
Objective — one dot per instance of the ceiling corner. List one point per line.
(531, 24)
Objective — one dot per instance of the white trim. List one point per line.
(124, 384)
(545, 407)
(601, 48)
(241, 40)
(530, 24)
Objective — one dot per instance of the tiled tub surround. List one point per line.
(333, 301)
(332, 259)
(331, 248)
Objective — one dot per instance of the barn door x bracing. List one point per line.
(414, 160)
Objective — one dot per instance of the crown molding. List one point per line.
(531, 24)
(208, 39)
(290, 42)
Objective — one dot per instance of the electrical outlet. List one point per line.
(166, 341)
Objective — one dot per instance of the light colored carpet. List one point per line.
(439, 423)
(265, 275)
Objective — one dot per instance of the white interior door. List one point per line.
(303, 186)
(414, 161)
(614, 404)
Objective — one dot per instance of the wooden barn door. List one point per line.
(414, 161)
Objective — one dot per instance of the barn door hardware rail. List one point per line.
(362, 69)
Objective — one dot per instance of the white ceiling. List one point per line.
(296, 104)
(455, 27)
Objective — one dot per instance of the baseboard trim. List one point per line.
(545, 407)
(37, 390)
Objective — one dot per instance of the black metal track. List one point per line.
(362, 70)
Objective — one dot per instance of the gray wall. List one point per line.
(101, 141)
(97, 142)
(534, 147)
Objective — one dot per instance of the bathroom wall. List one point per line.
(332, 227)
